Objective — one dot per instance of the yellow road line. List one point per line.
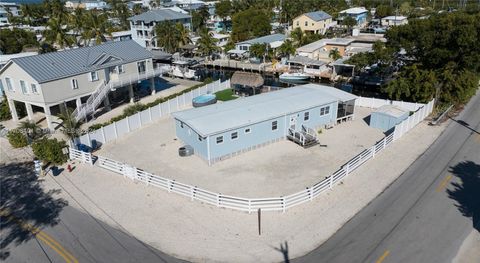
(444, 183)
(44, 237)
(383, 256)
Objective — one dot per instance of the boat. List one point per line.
(295, 76)
(181, 69)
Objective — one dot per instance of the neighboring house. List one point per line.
(273, 41)
(316, 22)
(7, 57)
(360, 14)
(221, 39)
(394, 21)
(185, 4)
(307, 65)
(6, 7)
(226, 129)
(44, 82)
(73, 4)
(143, 25)
(122, 35)
(94, 4)
(320, 49)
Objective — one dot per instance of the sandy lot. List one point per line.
(278, 169)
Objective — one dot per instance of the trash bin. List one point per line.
(186, 150)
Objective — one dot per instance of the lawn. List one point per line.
(225, 95)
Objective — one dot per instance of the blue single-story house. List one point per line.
(387, 116)
(222, 130)
(358, 13)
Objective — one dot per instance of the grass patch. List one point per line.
(225, 95)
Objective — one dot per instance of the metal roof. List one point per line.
(217, 118)
(265, 39)
(318, 15)
(306, 61)
(391, 110)
(396, 18)
(159, 15)
(323, 42)
(71, 62)
(354, 11)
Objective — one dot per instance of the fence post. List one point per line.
(89, 140)
(150, 113)
(178, 104)
(128, 124)
(249, 206)
(169, 111)
(140, 119)
(373, 151)
(184, 101)
(192, 192)
(90, 156)
(218, 200)
(347, 169)
(283, 204)
(331, 181)
(115, 129)
(103, 134)
(310, 195)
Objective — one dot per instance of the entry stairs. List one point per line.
(305, 137)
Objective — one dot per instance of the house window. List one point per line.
(23, 86)
(34, 88)
(120, 69)
(74, 83)
(9, 84)
(298, 23)
(306, 23)
(324, 110)
(306, 116)
(219, 139)
(93, 76)
(274, 125)
(248, 130)
(141, 66)
(234, 135)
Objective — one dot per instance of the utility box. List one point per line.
(387, 116)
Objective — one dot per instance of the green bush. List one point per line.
(50, 151)
(17, 139)
(4, 110)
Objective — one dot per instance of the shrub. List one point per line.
(4, 110)
(50, 151)
(17, 139)
(132, 109)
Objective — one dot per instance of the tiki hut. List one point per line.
(246, 83)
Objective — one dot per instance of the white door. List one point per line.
(293, 121)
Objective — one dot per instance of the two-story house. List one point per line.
(315, 22)
(5, 8)
(80, 78)
(143, 25)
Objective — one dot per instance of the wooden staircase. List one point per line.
(306, 137)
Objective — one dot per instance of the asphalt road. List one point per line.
(420, 217)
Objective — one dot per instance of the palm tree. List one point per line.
(167, 36)
(97, 26)
(334, 54)
(258, 50)
(77, 22)
(287, 49)
(183, 35)
(206, 43)
(32, 130)
(57, 33)
(69, 125)
(298, 37)
(27, 13)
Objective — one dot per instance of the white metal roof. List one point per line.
(217, 118)
(354, 10)
(396, 18)
(391, 110)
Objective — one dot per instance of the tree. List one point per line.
(287, 48)
(259, 50)
(57, 33)
(4, 110)
(96, 27)
(31, 130)
(14, 40)
(334, 54)
(383, 11)
(199, 18)
(297, 36)
(183, 35)
(207, 44)
(167, 36)
(349, 22)
(250, 23)
(69, 125)
(223, 9)
(50, 151)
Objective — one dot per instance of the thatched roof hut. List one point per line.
(246, 79)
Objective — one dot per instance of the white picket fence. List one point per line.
(281, 203)
(377, 103)
(83, 157)
(131, 123)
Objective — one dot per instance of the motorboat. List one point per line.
(181, 69)
(295, 76)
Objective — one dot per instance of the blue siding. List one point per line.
(259, 132)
